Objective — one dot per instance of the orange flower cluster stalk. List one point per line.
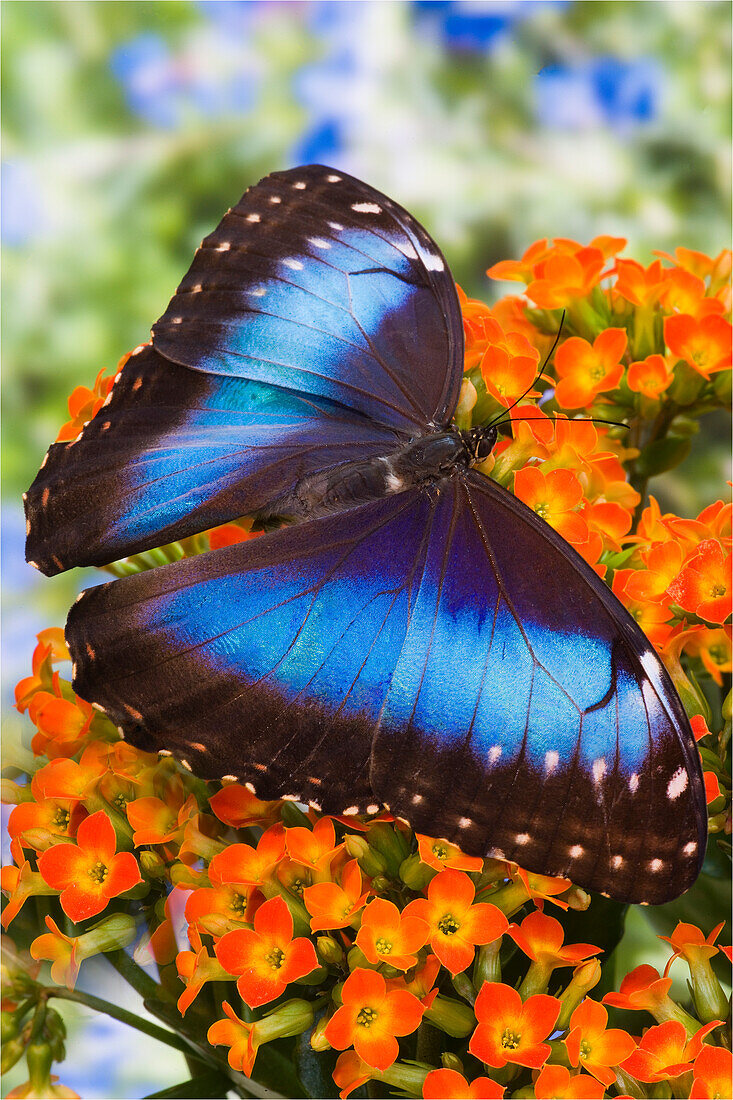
(430, 972)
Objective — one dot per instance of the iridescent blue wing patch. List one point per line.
(320, 284)
(178, 451)
(528, 716)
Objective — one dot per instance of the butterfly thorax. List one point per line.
(421, 462)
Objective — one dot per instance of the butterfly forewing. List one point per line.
(318, 283)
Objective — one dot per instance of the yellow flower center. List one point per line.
(510, 1040)
(585, 1049)
(275, 958)
(237, 904)
(120, 801)
(98, 872)
(297, 886)
(448, 925)
(717, 590)
(598, 372)
(384, 947)
(718, 654)
(440, 851)
(366, 1016)
(61, 819)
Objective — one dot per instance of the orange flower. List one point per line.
(690, 944)
(509, 366)
(455, 923)
(685, 293)
(563, 277)
(251, 866)
(663, 561)
(712, 1074)
(665, 1051)
(332, 905)
(422, 982)
(370, 1018)
(58, 816)
(350, 1072)
(650, 376)
(85, 403)
(216, 908)
(314, 847)
(585, 370)
(713, 647)
(509, 1031)
(20, 883)
(161, 822)
(704, 345)
(556, 1083)
(387, 936)
(521, 271)
(441, 854)
(594, 1047)
(61, 951)
(51, 647)
(239, 1036)
(238, 807)
(703, 586)
(644, 990)
(268, 958)
(554, 497)
(540, 938)
(62, 724)
(653, 618)
(608, 519)
(89, 873)
(448, 1084)
(228, 534)
(638, 285)
(196, 968)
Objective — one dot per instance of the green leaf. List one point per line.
(661, 455)
(205, 1085)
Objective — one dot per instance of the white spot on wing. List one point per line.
(634, 783)
(254, 218)
(275, 198)
(656, 864)
(333, 179)
(394, 483)
(691, 848)
(223, 247)
(552, 759)
(464, 822)
(350, 811)
(294, 265)
(319, 242)
(336, 225)
(599, 769)
(494, 753)
(576, 851)
(677, 784)
(433, 263)
(616, 862)
(300, 186)
(522, 838)
(372, 808)
(366, 208)
(416, 799)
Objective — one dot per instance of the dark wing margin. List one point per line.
(318, 283)
(176, 451)
(529, 718)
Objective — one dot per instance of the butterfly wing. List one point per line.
(318, 283)
(177, 451)
(529, 717)
(323, 326)
(268, 660)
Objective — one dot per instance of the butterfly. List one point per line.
(413, 635)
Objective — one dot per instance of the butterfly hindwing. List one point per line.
(529, 717)
(318, 283)
(270, 659)
(175, 452)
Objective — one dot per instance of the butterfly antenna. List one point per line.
(537, 377)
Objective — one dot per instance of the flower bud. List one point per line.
(111, 934)
(577, 899)
(318, 1040)
(370, 861)
(487, 967)
(13, 793)
(390, 843)
(12, 1052)
(711, 1002)
(451, 1061)
(357, 960)
(584, 978)
(381, 884)
(686, 385)
(292, 1018)
(152, 865)
(329, 952)
(408, 1078)
(453, 1017)
(464, 987)
(416, 874)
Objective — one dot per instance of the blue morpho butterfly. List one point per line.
(414, 636)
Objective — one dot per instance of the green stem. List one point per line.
(135, 976)
(121, 1014)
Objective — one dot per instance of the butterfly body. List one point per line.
(413, 635)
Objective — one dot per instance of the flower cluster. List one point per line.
(274, 928)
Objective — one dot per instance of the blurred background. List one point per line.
(130, 127)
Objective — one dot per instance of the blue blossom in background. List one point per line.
(605, 91)
(476, 26)
(23, 216)
(216, 73)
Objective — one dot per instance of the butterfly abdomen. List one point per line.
(422, 461)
